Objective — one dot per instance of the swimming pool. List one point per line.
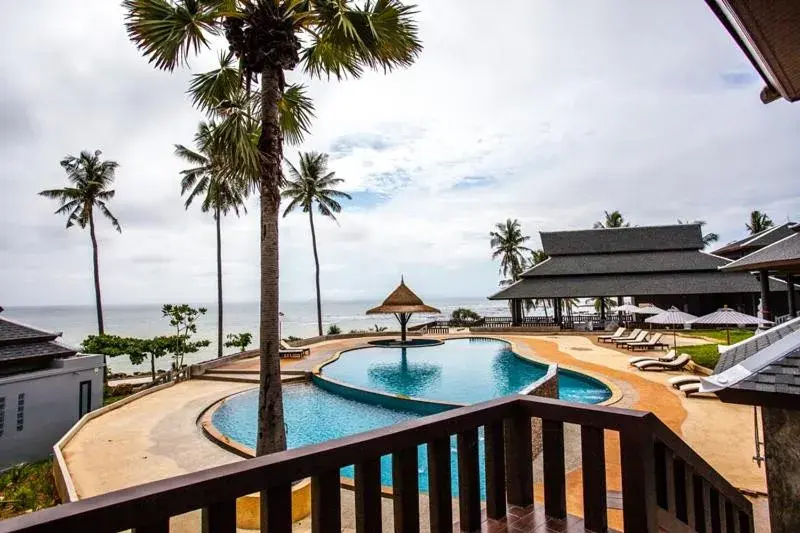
(306, 405)
(462, 371)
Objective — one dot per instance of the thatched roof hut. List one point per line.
(402, 303)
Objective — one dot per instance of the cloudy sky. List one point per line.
(545, 111)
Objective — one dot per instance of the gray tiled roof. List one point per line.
(638, 239)
(18, 341)
(13, 333)
(39, 349)
(626, 263)
(759, 240)
(780, 376)
(647, 284)
(787, 249)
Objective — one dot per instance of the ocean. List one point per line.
(77, 322)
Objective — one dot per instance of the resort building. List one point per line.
(661, 265)
(45, 387)
(751, 243)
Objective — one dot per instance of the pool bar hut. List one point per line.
(402, 303)
(662, 265)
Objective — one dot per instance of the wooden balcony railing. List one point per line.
(664, 483)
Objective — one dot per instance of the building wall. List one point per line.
(31, 424)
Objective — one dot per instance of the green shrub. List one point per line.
(27, 487)
(333, 329)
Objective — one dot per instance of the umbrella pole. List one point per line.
(728, 333)
(674, 340)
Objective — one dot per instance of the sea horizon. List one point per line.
(144, 320)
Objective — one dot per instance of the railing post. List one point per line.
(440, 492)
(220, 517)
(593, 464)
(555, 488)
(405, 483)
(326, 515)
(469, 496)
(368, 496)
(495, 471)
(161, 526)
(276, 509)
(519, 460)
(640, 507)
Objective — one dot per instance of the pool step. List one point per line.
(249, 377)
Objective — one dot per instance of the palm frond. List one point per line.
(212, 89)
(166, 32)
(295, 111)
(114, 222)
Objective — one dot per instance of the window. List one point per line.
(20, 411)
(2, 415)
(85, 398)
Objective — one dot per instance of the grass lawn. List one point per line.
(705, 355)
(737, 335)
(27, 487)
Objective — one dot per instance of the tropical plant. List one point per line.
(137, 350)
(508, 244)
(614, 219)
(462, 315)
(708, 238)
(239, 340)
(758, 222)
(184, 319)
(333, 329)
(379, 329)
(90, 179)
(269, 37)
(600, 301)
(206, 179)
(313, 184)
(538, 256)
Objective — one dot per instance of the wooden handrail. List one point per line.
(508, 431)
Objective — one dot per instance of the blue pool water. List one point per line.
(459, 371)
(313, 415)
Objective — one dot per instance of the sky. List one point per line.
(549, 112)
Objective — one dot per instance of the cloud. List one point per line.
(649, 108)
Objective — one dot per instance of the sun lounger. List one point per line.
(639, 337)
(609, 338)
(654, 342)
(678, 381)
(288, 351)
(677, 364)
(669, 356)
(690, 389)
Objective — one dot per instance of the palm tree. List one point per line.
(708, 238)
(90, 179)
(613, 219)
(599, 301)
(220, 195)
(307, 186)
(269, 37)
(507, 244)
(758, 222)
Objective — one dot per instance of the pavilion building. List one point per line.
(662, 265)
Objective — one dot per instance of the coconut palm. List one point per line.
(508, 244)
(220, 196)
(90, 179)
(708, 238)
(758, 222)
(268, 38)
(600, 301)
(310, 185)
(614, 219)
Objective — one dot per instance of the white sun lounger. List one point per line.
(677, 364)
(610, 338)
(678, 381)
(638, 338)
(669, 356)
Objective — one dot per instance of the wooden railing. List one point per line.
(664, 483)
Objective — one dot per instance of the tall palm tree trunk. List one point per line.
(219, 283)
(95, 260)
(316, 264)
(271, 430)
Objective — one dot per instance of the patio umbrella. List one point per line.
(627, 308)
(402, 303)
(650, 310)
(672, 317)
(728, 317)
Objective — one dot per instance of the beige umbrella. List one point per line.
(672, 317)
(402, 303)
(728, 317)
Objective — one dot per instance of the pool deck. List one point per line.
(157, 437)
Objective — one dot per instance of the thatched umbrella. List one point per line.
(402, 303)
(728, 317)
